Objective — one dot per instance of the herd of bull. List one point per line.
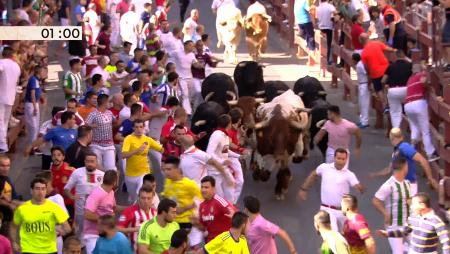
(278, 122)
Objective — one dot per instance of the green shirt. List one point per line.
(156, 237)
(38, 226)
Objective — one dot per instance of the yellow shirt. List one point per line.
(38, 226)
(138, 164)
(184, 192)
(225, 244)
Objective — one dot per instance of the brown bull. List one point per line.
(256, 30)
(278, 140)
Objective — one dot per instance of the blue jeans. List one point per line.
(307, 33)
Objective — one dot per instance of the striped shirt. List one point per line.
(164, 91)
(395, 195)
(134, 216)
(426, 232)
(73, 82)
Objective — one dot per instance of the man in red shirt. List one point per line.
(123, 7)
(91, 61)
(61, 172)
(357, 30)
(356, 229)
(375, 62)
(135, 215)
(215, 212)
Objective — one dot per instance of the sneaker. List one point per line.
(433, 157)
(386, 110)
(14, 120)
(362, 126)
(3, 151)
(12, 123)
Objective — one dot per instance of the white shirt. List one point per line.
(93, 19)
(139, 5)
(216, 4)
(256, 8)
(335, 183)
(165, 38)
(79, 181)
(356, 5)
(9, 77)
(128, 23)
(189, 29)
(156, 124)
(23, 15)
(172, 45)
(218, 147)
(393, 190)
(184, 62)
(124, 113)
(361, 73)
(324, 15)
(99, 70)
(194, 163)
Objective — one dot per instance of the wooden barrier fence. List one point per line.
(426, 30)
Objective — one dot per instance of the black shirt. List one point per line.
(398, 73)
(76, 153)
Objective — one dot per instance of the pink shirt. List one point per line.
(5, 245)
(101, 203)
(260, 236)
(339, 135)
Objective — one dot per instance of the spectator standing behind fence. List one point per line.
(364, 92)
(416, 108)
(393, 32)
(304, 21)
(395, 77)
(325, 16)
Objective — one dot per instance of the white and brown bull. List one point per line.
(282, 135)
(229, 24)
(256, 30)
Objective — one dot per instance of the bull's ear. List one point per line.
(241, 64)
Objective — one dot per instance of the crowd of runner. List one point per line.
(132, 85)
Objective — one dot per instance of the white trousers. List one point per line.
(89, 242)
(396, 243)
(31, 122)
(134, 183)
(185, 84)
(5, 114)
(222, 188)
(396, 96)
(337, 218)
(329, 156)
(79, 217)
(364, 103)
(195, 93)
(419, 122)
(106, 156)
(238, 178)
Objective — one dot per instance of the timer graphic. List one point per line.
(59, 33)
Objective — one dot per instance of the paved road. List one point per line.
(294, 216)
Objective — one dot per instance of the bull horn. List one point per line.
(232, 102)
(296, 125)
(261, 125)
(259, 100)
(208, 96)
(322, 93)
(320, 123)
(281, 92)
(259, 93)
(300, 110)
(233, 95)
(301, 93)
(200, 122)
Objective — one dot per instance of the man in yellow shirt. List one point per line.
(186, 193)
(37, 219)
(135, 150)
(230, 242)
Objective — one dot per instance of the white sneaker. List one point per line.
(12, 124)
(13, 119)
(19, 89)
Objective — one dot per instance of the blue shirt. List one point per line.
(126, 128)
(33, 84)
(119, 244)
(133, 66)
(102, 90)
(301, 12)
(407, 151)
(61, 136)
(80, 10)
